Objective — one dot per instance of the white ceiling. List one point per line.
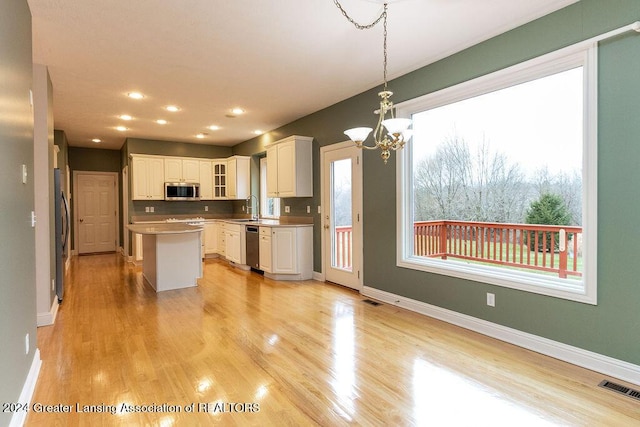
(278, 59)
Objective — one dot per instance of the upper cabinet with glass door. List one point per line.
(219, 179)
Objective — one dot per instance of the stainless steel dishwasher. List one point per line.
(253, 246)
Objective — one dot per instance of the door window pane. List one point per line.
(341, 214)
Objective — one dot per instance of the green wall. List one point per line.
(93, 160)
(178, 149)
(17, 254)
(610, 328)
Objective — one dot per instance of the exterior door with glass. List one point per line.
(341, 214)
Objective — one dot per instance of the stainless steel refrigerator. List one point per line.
(61, 212)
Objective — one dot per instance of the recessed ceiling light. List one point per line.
(121, 128)
(172, 108)
(214, 127)
(201, 135)
(258, 132)
(161, 122)
(126, 117)
(237, 110)
(96, 140)
(135, 95)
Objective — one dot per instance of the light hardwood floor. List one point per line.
(280, 353)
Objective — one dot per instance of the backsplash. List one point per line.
(160, 207)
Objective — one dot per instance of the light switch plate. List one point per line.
(287, 209)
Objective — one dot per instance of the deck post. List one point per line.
(443, 240)
(562, 267)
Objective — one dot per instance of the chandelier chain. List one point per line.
(384, 49)
(360, 26)
(383, 17)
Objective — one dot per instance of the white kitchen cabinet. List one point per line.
(290, 254)
(206, 180)
(265, 249)
(238, 177)
(147, 177)
(284, 250)
(290, 167)
(221, 239)
(178, 169)
(210, 238)
(235, 250)
(219, 179)
(137, 249)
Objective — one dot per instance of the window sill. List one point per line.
(573, 290)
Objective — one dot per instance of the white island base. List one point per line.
(172, 255)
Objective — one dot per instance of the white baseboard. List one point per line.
(48, 318)
(318, 276)
(26, 394)
(587, 359)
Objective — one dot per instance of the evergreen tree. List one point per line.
(549, 209)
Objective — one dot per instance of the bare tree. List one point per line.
(456, 185)
(440, 181)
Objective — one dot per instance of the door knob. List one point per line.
(326, 227)
(81, 220)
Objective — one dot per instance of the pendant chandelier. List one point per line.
(390, 133)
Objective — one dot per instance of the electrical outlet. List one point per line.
(319, 209)
(26, 344)
(287, 209)
(308, 209)
(491, 299)
(206, 208)
(146, 209)
(153, 209)
(243, 209)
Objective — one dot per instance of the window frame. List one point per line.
(263, 193)
(584, 291)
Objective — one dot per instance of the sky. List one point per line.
(536, 124)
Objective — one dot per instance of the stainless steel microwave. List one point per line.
(181, 191)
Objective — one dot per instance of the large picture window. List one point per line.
(498, 184)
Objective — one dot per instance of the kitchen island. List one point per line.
(172, 254)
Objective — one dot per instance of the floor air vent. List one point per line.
(371, 302)
(635, 394)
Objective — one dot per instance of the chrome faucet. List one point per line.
(254, 214)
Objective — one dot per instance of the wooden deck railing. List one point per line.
(549, 248)
(343, 248)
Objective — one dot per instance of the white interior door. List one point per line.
(96, 212)
(341, 214)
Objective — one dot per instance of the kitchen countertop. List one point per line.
(164, 228)
(265, 223)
